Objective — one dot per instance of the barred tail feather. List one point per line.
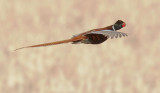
(48, 44)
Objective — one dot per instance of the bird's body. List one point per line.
(91, 37)
(95, 36)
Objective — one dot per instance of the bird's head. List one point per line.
(119, 24)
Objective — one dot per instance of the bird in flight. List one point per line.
(95, 36)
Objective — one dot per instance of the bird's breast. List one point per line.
(96, 38)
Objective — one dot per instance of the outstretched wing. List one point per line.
(110, 34)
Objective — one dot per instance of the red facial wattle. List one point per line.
(124, 24)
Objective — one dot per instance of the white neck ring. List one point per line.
(113, 28)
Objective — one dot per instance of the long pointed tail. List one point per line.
(48, 44)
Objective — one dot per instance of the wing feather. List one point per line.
(110, 34)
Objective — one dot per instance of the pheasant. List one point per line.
(95, 36)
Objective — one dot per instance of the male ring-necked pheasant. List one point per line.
(95, 36)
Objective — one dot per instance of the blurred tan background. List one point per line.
(126, 65)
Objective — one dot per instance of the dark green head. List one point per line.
(119, 24)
